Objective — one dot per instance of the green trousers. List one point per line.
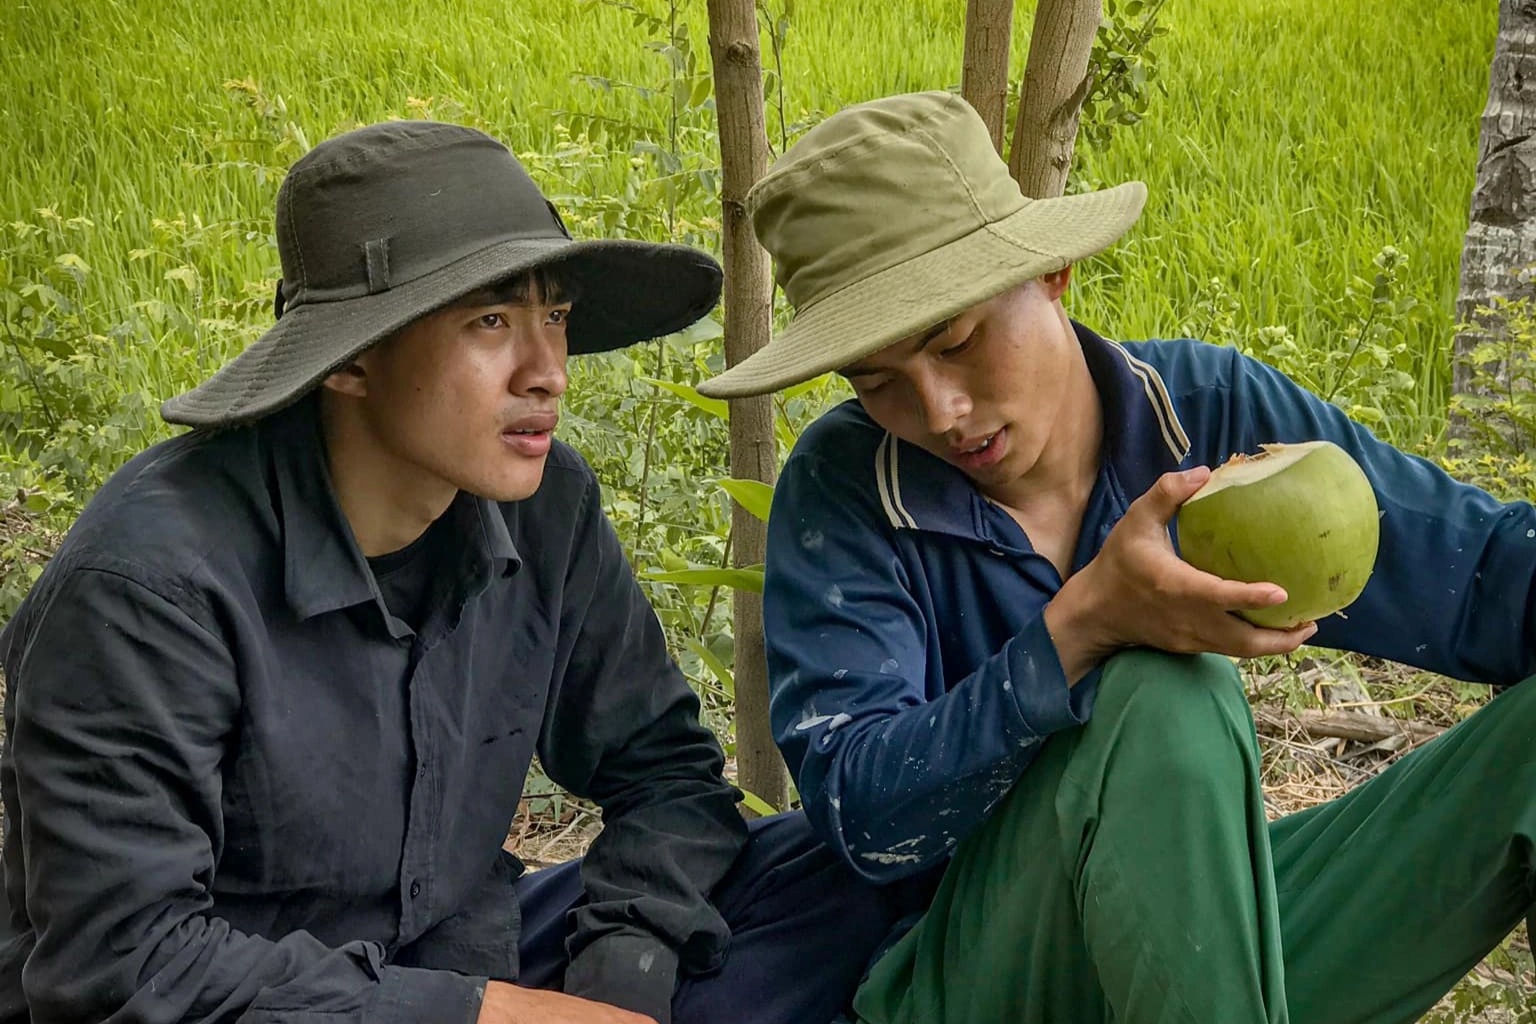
(1131, 876)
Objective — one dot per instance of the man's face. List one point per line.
(467, 398)
(982, 390)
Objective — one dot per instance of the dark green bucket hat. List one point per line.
(383, 225)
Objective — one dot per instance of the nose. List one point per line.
(541, 367)
(943, 403)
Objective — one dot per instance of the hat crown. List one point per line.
(876, 185)
(383, 205)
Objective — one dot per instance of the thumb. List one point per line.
(1171, 491)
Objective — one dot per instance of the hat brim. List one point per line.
(628, 291)
(880, 310)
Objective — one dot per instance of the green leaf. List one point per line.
(1381, 291)
(805, 387)
(784, 433)
(73, 265)
(186, 275)
(716, 407)
(753, 495)
(749, 578)
(700, 331)
(671, 559)
(756, 804)
(712, 662)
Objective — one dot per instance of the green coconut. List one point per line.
(1302, 516)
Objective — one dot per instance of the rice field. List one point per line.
(1288, 142)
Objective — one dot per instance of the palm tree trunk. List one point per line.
(1501, 239)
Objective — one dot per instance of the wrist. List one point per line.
(1076, 628)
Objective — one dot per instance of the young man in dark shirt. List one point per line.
(987, 658)
(271, 706)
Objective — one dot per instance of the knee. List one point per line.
(1520, 701)
(1155, 686)
(1186, 717)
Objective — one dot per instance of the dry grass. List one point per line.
(1301, 769)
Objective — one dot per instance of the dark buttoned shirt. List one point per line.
(236, 786)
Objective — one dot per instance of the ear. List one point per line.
(351, 379)
(1056, 282)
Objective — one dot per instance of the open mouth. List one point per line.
(533, 439)
(983, 453)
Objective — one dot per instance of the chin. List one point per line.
(517, 489)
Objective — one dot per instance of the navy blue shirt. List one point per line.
(912, 676)
(235, 785)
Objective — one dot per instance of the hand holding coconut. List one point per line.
(1138, 592)
(1301, 515)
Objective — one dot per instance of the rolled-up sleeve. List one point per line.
(116, 743)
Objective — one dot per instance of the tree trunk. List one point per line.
(734, 50)
(1501, 235)
(1501, 238)
(984, 76)
(1051, 96)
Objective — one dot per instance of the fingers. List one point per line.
(1241, 639)
(1232, 595)
(1200, 614)
(1177, 580)
(1171, 490)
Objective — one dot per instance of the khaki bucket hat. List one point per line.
(892, 216)
(382, 225)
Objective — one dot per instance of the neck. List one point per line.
(1068, 465)
(386, 502)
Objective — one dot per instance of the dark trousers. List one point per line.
(803, 930)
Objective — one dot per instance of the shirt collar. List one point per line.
(1142, 434)
(323, 568)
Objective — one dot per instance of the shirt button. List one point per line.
(415, 889)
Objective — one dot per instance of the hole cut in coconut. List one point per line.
(1240, 470)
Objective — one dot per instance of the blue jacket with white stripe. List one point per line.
(912, 676)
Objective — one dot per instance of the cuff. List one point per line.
(411, 995)
(1045, 702)
(633, 972)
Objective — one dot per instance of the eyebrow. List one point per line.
(917, 346)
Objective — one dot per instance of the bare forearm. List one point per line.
(511, 1004)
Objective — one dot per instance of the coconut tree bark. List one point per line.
(1055, 84)
(736, 57)
(984, 75)
(1501, 238)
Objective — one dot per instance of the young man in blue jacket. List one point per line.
(271, 706)
(988, 659)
